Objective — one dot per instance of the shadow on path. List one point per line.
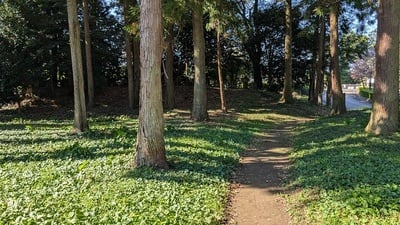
(259, 180)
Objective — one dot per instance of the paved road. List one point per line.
(353, 100)
(356, 102)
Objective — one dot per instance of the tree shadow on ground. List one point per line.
(336, 156)
(73, 152)
(48, 141)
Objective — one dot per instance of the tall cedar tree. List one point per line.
(338, 98)
(136, 66)
(129, 58)
(385, 110)
(219, 60)
(287, 87)
(256, 49)
(319, 75)
(150, 149)
(88, 51)
(80, 117)
(199, 111)
(220, 75)
(169, 68)
(317, 78)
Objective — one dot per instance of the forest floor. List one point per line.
(258, 188)
(339, 179)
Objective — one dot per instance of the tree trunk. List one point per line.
(257, 77)
(199, 111)
(219, 64)
(169, 69)
(318, 75)
(54, 71)
(319, 79)
(136, 72)
(150, 149)
(257, 48)
(313, 74)
(129, 59)
(88, 51)
(287, 89)
(311, 92)
(338, 99)
(384, 118)
(80, 119)
(329, 90)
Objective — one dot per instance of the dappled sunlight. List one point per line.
(202, 157)
(94, 169)
(356, 174)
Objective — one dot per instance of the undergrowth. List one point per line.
(48, 176)
(344, 175)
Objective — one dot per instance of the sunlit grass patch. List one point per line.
(49, 176)
(353, 176)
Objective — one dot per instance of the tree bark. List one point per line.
(88, 51)
(256, 63)
(256, 58)
(311, 91)
(338, 99)
(129, 59)
(199, 111)
(329, 90)
(219, 65)
(169, 69)
(150, 149)
(80, 117)
(318, 73)
(384, 118)
(319, 79)
(136, 72)
(287, 89)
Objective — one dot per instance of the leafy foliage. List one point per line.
(34, 47)
(346, 175)
(366, 92)
(49, 176)
(363, 68)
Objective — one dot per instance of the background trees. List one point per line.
(35, 48)
(363, 69)
(34, 42)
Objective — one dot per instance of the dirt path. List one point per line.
(255, 196)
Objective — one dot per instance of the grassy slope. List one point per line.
(346, 176)
(48, 176)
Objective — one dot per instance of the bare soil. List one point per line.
(257, 190)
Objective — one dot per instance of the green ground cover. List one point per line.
(366, 92)
(48, 176)
(343, 175)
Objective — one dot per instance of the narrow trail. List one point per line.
(258, 184)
